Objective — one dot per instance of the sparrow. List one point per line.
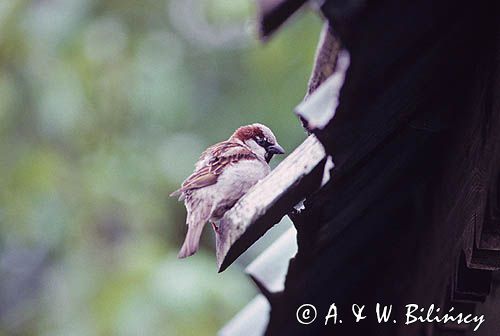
(223, 174)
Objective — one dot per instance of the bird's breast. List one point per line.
(237, 178)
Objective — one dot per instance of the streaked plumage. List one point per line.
(224, 173)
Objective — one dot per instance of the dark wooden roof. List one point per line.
(414, 138)
(404, 97)
(273, 13)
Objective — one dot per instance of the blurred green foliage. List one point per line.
(104, 107)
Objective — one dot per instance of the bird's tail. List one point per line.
(192, 241)
(178, 193)
(198, 214)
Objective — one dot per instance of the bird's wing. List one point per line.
(201, 178)
(212, 163)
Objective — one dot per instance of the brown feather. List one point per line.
(209, 204)
(247, 132)
(208, 174)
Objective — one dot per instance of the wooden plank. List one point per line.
(485, 259)
(468, 284)
(489, 236)
(269, 200)
(273, 13)
(251, 320)
(485, 240)
(325, 60)
(269, 270)
(319, 108)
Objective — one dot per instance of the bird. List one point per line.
(222, 175)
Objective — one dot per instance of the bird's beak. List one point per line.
(275, 149)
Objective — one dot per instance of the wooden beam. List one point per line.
(488, 235)
(269, 270)
(273, 13)
(319, 107)
(251, 320)
(325, 60)
(468, 284)
(269, 200)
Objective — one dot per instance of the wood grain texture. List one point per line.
(318, 108)
(325, 60)
(411, 142)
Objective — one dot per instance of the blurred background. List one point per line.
(104, 108)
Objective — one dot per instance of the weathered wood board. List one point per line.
(269, 200)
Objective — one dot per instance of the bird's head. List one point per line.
(260, 139)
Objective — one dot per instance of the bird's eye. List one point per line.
(260, 141)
